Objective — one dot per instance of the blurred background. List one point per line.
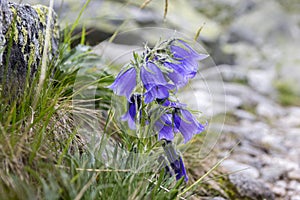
(249, 90)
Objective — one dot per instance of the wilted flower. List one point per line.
(154, 82)
(125, 83)
(175, 161)
(133, 105)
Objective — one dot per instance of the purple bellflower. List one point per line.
(177, 76)
(188, 59)
(181, 120)
(164, 127)
(133, 105)
(125, 83)
(154, 82)
(187, 124)
(175, 161)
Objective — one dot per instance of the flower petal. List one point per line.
(179, 169)
(151, 75)
(158, 91)
(187, 124)
(164, 127)
(124, 83)
(176, 161)
(178, 76)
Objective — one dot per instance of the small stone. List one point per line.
(282, 184)
(294, 175)
(242, 114)
(265, 109)
(280, 191)
(240, 168)
(262, 80)
(218, 198)
(272, 173)
(294, 185)
(292, 120)
(248, 148)
(251, 187)
(297, 197)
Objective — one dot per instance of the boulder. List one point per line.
(22, 38)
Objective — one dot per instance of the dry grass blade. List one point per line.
(145, 4)
(166, 8)
(86, 187)
(95, 170)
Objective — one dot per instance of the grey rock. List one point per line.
(294, 175)
(272, 142)
(272, 173)
(23, 41)
(294, 185)
(243, 92)
(218, 198)
(295, 197)
(292, 119)
(233, 166)
(250, 187)
(262, 80)
(282, 162)
(244, 115)
(265, 23)
(281, 183)
(269, 110)
(279, 191)
(233, 73)
(250, 149)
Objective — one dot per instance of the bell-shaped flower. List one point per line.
(165, 127)
(187, 57)
(133, 105)
(154, 82)
(177, 76)
(125, 83)
(187, 124)
(175, 161)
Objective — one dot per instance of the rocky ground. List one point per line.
(255, 80)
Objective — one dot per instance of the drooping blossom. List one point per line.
(154, 82)
(187, 57)
(181, 120)
(175, 161)
(187, 124)
(164, 127)
(133, 106)
(178, 75)
(125, 83)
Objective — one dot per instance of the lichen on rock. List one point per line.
(22, 38)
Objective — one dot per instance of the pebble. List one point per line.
(218, 198)
(250, 187)
(294, 185)
(297, 197)
(240, 168)
(294, 175)
(281, 183)
(280, 191)
(268, 110)
(262, 81)
(272, 173)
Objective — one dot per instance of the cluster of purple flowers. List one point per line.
(162, 71)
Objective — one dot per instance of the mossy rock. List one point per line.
(22, 38)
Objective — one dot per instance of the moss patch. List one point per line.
(287, 95)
